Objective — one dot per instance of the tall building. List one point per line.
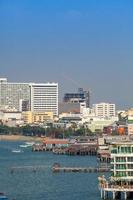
(11, 94)
(37, 97)
(44, 97)
(104, 110)
(79, 97)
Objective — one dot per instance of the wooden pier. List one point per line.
(27, 168)
(103, 156)
(58, 168)
(40, 147)
(72, 150)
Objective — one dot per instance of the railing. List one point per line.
(109, 186)
(129, 160)
(114, 151)
(118, 161)
(121, 168)
(121, 152)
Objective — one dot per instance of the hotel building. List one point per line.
(11, 94)
(44, 97)
(37, 97)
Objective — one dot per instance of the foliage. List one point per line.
(49, 131)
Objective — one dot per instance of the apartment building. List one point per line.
(122, 161)
(44, 97)
(37, 97)
(103, 110)
(11, 94)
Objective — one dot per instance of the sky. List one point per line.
(77, 43)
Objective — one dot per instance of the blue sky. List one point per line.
(78, 43)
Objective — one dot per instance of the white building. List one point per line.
(122, 162)
(121, 180)
(42, 97)
(10, 115)
(12, 93)
(104, 110)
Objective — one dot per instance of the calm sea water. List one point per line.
(45, 185)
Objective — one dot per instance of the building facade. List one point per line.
(11, 94)
(122, 162)
(104, 110)
(79, 97)
(35, 97)
(44, 98)
(120, 184)
(37, 117)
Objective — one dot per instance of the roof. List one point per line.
(55, 141)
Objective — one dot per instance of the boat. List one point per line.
(3, 196)
(17, 151)
(24, 145)
(30, 143)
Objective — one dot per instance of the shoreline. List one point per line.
(20, 138)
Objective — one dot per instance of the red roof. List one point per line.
(55, 141)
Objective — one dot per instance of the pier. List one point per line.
(40, 147)
(73, 151)
(104, 156)
(50, 144)
(58, 168)
(64, 147)
(27, 168)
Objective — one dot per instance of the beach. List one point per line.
(20, 138)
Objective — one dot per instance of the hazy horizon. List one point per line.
(76, 43)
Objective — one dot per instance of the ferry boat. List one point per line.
(3, 196)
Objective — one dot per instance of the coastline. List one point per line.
(20, 138)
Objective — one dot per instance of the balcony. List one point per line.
(119, 175)
(121, 161)
(120, 168)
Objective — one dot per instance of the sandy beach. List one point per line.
(20, 138)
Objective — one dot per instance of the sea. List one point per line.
(43, 184)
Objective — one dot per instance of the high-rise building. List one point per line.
(40, 97)
(104, 110)
(44, 97)
(79, 97)
(11, 94)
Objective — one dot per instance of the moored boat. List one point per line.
(3, 196)
(29, 143)
(17, 151)
(24, 145)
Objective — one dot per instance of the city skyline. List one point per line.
(75, 43)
